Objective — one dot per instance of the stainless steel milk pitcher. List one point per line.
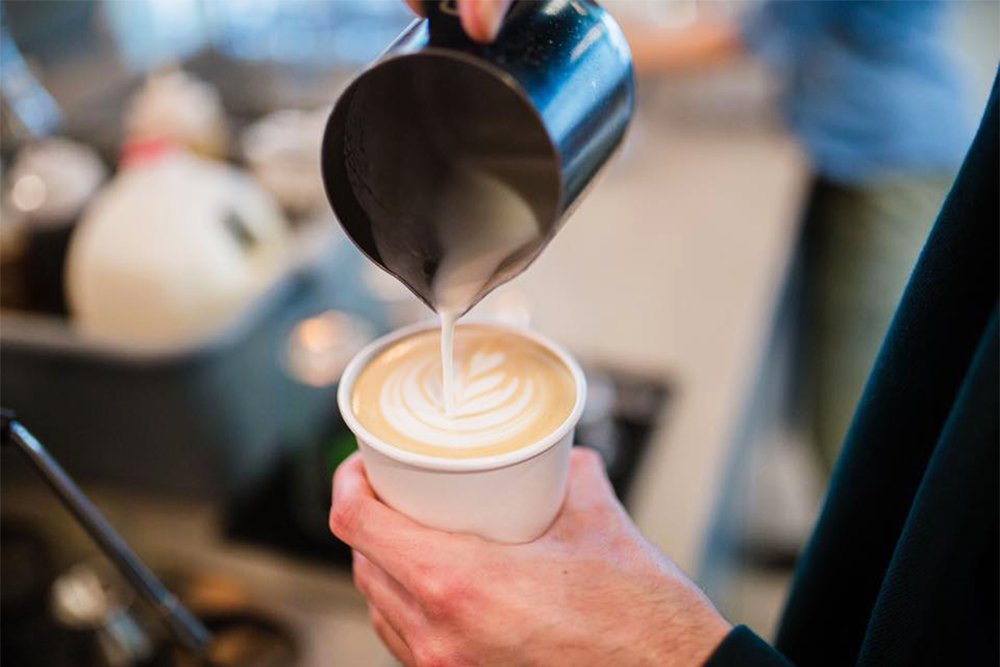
(541, 109)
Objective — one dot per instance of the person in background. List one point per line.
(876, 101)
(901, 569)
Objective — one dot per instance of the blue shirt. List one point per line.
(871, 91)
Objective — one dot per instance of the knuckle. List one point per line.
(376, 619)
(432, 654)
(449, 599)
(360, 581)
(437, 595)
(343, 519)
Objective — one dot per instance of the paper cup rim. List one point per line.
(361, 359)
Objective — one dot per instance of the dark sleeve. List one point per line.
(742, 648)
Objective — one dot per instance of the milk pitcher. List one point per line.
(533, 115)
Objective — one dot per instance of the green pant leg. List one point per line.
(861, 245)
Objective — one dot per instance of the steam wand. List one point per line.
(183, 625)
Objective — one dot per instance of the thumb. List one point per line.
(589, 486)
(590, 501)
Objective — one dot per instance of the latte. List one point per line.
(510, 392)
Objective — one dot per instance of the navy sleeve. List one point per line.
(742, 648)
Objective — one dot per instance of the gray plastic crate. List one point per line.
(204, 421)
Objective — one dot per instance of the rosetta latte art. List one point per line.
(510, 392)
(491, 405)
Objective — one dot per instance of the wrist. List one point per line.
(691, 636)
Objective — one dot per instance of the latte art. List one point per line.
(490, 404)
(509, 392)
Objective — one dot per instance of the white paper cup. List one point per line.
(511, 497)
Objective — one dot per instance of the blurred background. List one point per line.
(177, 301)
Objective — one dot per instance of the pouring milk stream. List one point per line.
(485, 223)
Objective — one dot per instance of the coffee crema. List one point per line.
(510, 393)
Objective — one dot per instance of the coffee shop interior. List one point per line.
(179, 302)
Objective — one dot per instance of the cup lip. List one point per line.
(480, 463)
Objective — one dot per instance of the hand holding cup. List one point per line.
(590, 591)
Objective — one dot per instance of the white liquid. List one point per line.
(448, 319)
(486, 222)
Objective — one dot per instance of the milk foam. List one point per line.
(490, 404)
(509, 392)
